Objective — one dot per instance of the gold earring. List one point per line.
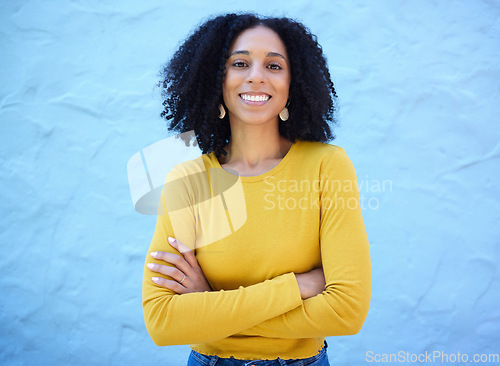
(222, 113)
(284, 114)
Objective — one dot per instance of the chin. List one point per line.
(258, 120)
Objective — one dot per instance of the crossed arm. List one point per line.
(332, 300)
(187, 275)
(190, 312)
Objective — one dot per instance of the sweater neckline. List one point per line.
(256, 178)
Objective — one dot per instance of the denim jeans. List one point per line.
(197, 359)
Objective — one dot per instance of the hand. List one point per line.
(311, 283)
(187, 274)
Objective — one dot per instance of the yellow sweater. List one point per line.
(250, 236)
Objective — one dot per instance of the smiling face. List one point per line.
(257, 78)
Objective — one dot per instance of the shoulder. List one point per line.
(317, 148)
(188, 168)
(326, 159)
(321, 152)
(186, 182)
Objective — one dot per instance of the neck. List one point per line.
(252, 146)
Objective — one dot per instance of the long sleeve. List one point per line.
(171, 318)
(342, 308)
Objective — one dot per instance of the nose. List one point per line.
(255, 74)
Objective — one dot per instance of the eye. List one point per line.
(239, 64)
(275, 67)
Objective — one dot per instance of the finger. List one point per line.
(171, 285)
(177, 244)
(187, 252)
(177, 260)
(172, 272)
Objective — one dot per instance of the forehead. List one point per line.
(258, 39)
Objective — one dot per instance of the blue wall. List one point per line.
(419, 88)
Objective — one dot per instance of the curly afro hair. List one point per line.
(192, 82)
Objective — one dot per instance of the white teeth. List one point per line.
(255, 98)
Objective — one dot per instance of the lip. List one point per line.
(253, 94)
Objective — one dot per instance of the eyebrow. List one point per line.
(270, 54)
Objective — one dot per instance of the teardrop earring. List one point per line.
(284, 114)
(222, 111)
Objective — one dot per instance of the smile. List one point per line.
(255, 97)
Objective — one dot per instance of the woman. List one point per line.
(260, 250)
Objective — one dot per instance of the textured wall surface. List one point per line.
(419, 88)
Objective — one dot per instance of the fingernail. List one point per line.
(156, 279)
(171, 240)
(150, 265)
(154, 254)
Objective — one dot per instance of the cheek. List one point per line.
(229, 84)
(228, 97)
(285, 87)
(226, 91)
(284, 83)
